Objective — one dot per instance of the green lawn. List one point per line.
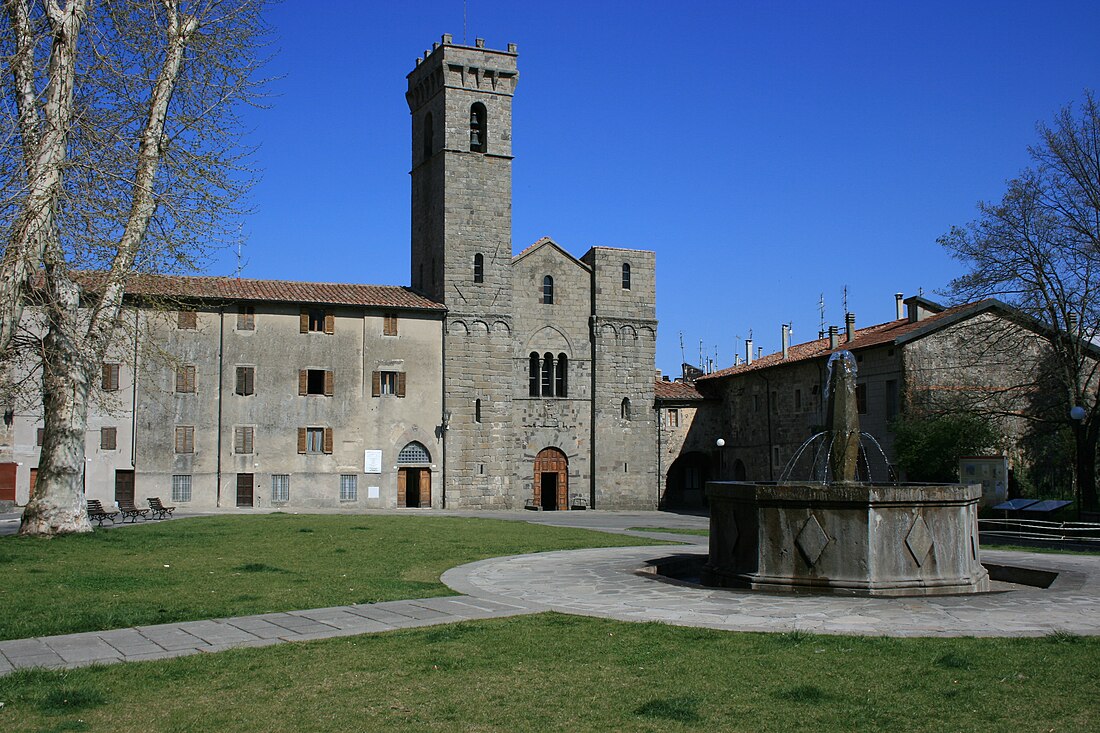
(210, 567)
(563, 673)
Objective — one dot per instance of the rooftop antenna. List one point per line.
(845, 300)
(821, 313)
(702, 361)
(683, 358)
(464, 22)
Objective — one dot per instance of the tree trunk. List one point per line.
(1085, 440)
(58, 504)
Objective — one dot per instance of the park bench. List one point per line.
(159, 511)
(576, 501)
(131, 512)
(97, 513)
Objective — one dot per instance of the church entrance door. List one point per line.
(551, 479)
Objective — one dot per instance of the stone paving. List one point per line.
(606, 583)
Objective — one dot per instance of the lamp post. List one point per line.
(1077, 415)
(721, 443)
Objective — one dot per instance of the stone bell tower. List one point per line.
(460, 98)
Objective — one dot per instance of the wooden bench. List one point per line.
(158, 510)
(131, 512)
(97, 513)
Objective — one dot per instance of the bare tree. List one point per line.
(120, 155)
(1039, 249)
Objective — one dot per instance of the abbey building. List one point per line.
(493, 381)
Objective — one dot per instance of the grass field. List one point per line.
(209, 567)
(563, 673)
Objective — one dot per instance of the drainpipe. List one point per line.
(221, 370)
(443, 411)
(657, 410)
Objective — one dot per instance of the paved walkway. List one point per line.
(605, 583)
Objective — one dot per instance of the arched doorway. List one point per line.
(551, 479)
(414, 476)
(686, 481)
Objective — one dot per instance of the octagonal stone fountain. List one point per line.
(834, 533)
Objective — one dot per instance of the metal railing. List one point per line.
(1037, 530)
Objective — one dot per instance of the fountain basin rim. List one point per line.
(843, 493)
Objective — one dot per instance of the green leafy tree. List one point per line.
(929, 448)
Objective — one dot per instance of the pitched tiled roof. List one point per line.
(283, 291)
(663, 390)
(877, 335)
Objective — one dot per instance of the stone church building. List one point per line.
(494, 381)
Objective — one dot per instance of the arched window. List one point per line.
(479, 268)
(624, 409)
(548, 375)
(429, 136)
(548, 290)
(477, 411)
(479, 133)
(561, 376)
(414, 453)
(534, 374)
(626, 276)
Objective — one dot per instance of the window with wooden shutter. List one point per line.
(39, 436)
(185, 439)
(246, 380)
(330, 322)
(303, 381)
(327, 448)
(329, 382)
(110, 378)
(302, 435)
(246, 318)
(317, 381)
(389, 324)
(243, 439)
(187, 319)
(401, 384)
(376, 384)
(185, 378)
(303, 322)
(108, 438)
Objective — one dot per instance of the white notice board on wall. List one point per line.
(372, 461)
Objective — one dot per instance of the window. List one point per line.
(246, 318)
(861, 398)
(477, 410)
(246, 380)
(548, 290)
(181, 487)
(349, 487)
(185, 439)
(187, 319)
(756, 403)
(673, 418)
(548, 375)
(185, 378)
(38, 436)
(243, 438)
(280, 488)
(316, 320)
(626, 276)
(891, 399)
(315, 440)
(535, 369)
(479, 133)
(624, 409)
(110, 378)
(479, 268)
(389, 324)
(798, 399)
(388, 383)
(316, 381)
(429, 136)
(775, 457)
(414, 453)
(561, 376)
(108, 438)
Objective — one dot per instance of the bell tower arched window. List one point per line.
(534, 374)
(479, 268)
(561, 376)
(548, 290)
(624, 409)
(429, 136)
(626, 276)
(479, 130)
(548, 375)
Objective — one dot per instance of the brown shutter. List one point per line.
(190, 379)
(301, 440)
(303, 322)
(303, 381)
(240, 380)
(330, 322)
(376, 384)
(401, 487)
(238, 440)
(327, 448)
(329, 380)
(106, 384)
(250, 380)
(181, 379)
(401, 384)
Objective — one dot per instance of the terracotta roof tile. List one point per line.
(283, 291)
(882, 333)
(663, 390)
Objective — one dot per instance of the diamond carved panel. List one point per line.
(812, 540)
(919, 540)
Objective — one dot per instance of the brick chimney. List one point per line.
(834, 339)
(850, 326)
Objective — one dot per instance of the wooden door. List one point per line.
(426, 488)
(552, 461)
(34, 481)
(244, 489)
(124, 486)
(402, 482)
(7, 481)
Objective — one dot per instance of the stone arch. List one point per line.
(607, 331)
(414, 476)
(686, 480)
(551, 484)
(479, 327)
(502, 328)
(628, 334)
(549, 338)
(459, 328)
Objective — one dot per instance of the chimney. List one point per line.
(759, 351)
(834, 339)
(1072, 319)
(850, 326)
(899, 307)
(748, 351)
(786, 341)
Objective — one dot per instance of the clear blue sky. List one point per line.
(768, 152)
